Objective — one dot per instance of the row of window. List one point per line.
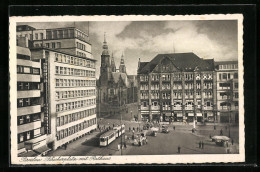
(81, 46)
(177, 104)
(74, 60)
(76, 128)
(74, 83)
(25, 119)
(167, 86)
(228, 66)
(28, 70)
(28, 86)
(52, 45)
(24, 57)
(23, 102)
(177, 77)
(74, 117)
(74, 105)
(74, 94)
(28, 135)
(74, 72)
(227, 76)
(156, 94)
(60, 34)
(226, 95)
(81, 54)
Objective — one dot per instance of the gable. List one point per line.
(165, 66)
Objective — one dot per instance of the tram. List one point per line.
(111, 135)
(119, 130)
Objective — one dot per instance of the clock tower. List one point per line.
(105, 68)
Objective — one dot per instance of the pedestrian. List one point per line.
(202, 145)
(227, 144)
(179, 149)
(125, 144)
(226, 127)
(129, 129)
(214, 127)
(221, 132)
(113, 125)
(232, 141)
(98, 126)
(65, 146)
(134, 128)
(174, 127)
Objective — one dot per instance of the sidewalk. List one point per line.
(72, 147)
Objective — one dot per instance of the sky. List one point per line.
(211, 39)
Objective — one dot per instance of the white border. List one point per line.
(157, 159)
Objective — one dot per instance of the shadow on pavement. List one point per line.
(91, 142)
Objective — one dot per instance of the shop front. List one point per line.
(166, 117)
(145, 117)
(156, 117)
(210, 117)
(178, 117)
(190, 117)
(199, 117)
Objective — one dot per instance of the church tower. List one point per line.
(113, 65)
(105, 68)
(122, 67)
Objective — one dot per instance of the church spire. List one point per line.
(113, 65)
(105, 46)
(122, 67)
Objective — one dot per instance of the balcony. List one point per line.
(28, 93)
(29, 126)
(28, 110)
(144, 108)
(189, 108)
(177, 108)
(208, 108)
(37, 139)
(155, 107)
(28, 78)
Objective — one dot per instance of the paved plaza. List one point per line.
(162, 144)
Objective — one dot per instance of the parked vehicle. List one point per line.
(154, 131)
(220, 140)
(165, 129)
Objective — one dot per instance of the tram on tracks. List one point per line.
(111, 135)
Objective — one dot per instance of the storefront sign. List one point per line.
(199, 114)
(179, 114)
(190, 114)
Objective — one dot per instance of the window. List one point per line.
(58, 45)
(36, 71)
(53, 45)
(27, 119)
(36, 36)
(20, 137)
(236, 85)
(224, 76)
(57, 83)
(220, 76)
(57, 69)
(236, 95)
(235, 75)
(27, 70)
(48, 35)
(28, 135)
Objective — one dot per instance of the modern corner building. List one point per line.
(185, 87)
(68, 79)
(30, 118)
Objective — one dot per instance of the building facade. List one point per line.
(227, 91)
(69, 84)
(115, 87)
(31, 135)
(177, 87)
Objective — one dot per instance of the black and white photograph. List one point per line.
(126, 89)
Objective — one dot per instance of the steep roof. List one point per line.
(225, 62)
(182, 61)
(117, 75)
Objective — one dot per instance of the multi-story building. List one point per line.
(69, 84)
(227, 91)
(30, 129)
(177, 87)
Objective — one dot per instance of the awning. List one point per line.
(179, 114)
(168, 114)
(42, 150)
(190, 114)
(210, 114)
(199, 114)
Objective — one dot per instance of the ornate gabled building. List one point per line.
(114, 88)
(177, 87)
